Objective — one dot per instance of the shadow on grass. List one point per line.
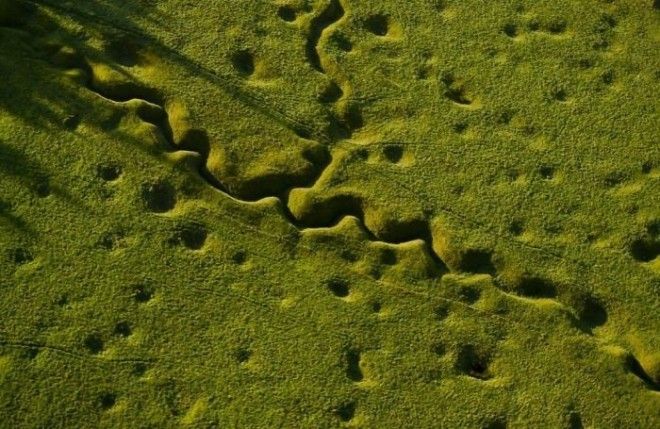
(35, 94)
(113, 21)
(32, 32)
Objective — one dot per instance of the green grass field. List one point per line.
(330, 213)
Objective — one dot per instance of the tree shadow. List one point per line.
(19, 167)
(43, 40)
(115, 22)
(30, 40)
(10, 219)
(34, 91)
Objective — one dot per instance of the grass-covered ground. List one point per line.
(330, 213)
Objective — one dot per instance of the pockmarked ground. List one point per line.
(329, 213)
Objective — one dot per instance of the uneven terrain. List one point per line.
(330, 213)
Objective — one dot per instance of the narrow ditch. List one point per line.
(338, 129)
(331, 14)
(420, 231)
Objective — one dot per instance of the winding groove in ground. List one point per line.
(328, 16)
(260, 105)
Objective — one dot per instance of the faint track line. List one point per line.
(27, 344)
(260, 104)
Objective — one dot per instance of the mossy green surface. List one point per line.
(330, 213)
